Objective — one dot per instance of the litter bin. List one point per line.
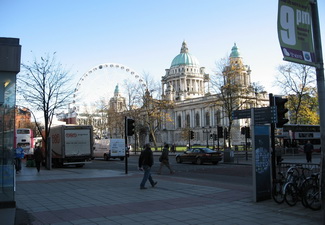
(228, 155)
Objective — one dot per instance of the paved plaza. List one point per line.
(89, 196)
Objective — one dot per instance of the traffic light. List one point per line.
(220, 132)
(211, 136)
(246, 131)
(281, 110)
(130, 127)
(192, 134)
(226, 133)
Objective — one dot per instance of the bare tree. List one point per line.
(145, 106)
(298, 83)
(233, 94)
(101, 111)
(44, 86)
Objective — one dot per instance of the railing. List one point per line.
(312, 167)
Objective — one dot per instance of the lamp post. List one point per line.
(207, 131)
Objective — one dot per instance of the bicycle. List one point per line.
(311, 193)
(294, 190)
(280, 183)
(277, 188)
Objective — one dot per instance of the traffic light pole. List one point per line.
(246, 134)
(213, 139)
(321, 94)
(126, 145)
(189, 139)
(272, 103)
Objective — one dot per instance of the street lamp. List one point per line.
(207, 131)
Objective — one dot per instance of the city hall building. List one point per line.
(195, 107)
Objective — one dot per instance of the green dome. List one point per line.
(116, 89)
(234, 52)
(184, 58)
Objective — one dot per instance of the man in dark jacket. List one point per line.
(145, 164)
(308, 149)
(38, 157)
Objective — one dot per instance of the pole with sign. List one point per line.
(300, 41)
(295, 31)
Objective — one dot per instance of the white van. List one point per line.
(109, 148)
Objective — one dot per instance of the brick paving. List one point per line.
(72, 196)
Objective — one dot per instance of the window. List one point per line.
(179, 121)
(197, 119)
(207, 119)
(188, 118)
(217, 117)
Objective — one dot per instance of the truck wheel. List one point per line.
(106, 157)
(79, 165)
(122, 158)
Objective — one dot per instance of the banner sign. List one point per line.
(295, 31)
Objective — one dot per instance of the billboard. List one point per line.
(295, 31)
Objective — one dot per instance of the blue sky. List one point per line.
(146, 35)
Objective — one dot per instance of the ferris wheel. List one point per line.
(99, 81)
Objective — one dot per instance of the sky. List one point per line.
(146, 35)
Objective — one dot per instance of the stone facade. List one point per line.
(195, 108)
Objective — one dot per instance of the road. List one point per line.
(229, 173)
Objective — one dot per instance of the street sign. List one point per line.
(295, 31)
(241, 114)
(264, 115)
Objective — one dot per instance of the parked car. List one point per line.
(199, 156)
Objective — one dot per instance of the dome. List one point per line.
(184, 58)
(234, 52)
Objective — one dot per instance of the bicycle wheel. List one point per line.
(291, 194)
(303, 187)
(312, 197)
(277, 192)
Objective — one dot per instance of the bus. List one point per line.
(25, 137)
(296, 135)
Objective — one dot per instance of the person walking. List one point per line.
(145, 163)
(19, 154)
(38, 157)
(164, 159)
(308, 149)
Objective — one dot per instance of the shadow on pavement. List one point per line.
(23, 218)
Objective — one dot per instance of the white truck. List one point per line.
(71, 145)
(109, 149)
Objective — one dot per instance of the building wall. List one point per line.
(10, 52)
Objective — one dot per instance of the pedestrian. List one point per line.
(308, 149)
(164, 159)
(145, 163)
(38, 157)
(19, 154)
(173, 148)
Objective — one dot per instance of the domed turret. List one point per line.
(117, 91)
(237, 72)
(184, 58)
(234, 52)
(185, 79)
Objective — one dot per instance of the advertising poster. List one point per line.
(262, 163)
(295, 31)
(77, 141)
